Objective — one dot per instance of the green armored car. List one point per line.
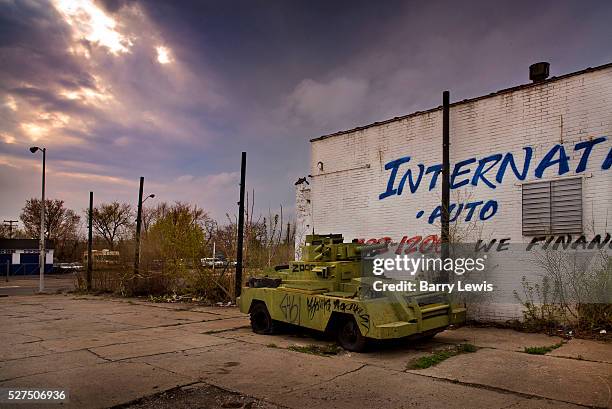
(330, 290)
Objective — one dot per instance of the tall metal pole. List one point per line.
(445, 233)
(238, 284)
(41, 286)
(138, 227)
(90, 242)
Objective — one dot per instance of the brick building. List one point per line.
(528, 161)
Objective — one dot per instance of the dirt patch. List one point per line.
(196, 397)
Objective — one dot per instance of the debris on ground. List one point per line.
(198, 396)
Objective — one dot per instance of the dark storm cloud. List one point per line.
(322, 66)
(47, 100)
(295, 70)
(33, 44)
(260, 76)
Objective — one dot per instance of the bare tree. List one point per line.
(61, 226)
(60, 223)
(225, 238)
(264, 243)
(151, 214)
(111, 220)
(4, 232)
(274, 230)
(15, 233)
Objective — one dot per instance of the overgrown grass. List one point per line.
(325, 350)
(438, 356)
(541, 350)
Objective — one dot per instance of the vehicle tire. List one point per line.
(261, 321)
(349, 336)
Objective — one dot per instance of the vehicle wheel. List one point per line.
(261, 321)
(349, 336)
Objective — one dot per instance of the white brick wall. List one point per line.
(345, 195)
(303, 210)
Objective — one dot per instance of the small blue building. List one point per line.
(21, 256)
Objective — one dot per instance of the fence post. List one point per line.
(8, 267)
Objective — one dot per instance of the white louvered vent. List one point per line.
(553, 207)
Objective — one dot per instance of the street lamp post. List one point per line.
(152, 195)
(41, 261)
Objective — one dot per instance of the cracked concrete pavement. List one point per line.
(109, 352)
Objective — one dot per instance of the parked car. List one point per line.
(210, 262)
(63, 268)
(218, 261)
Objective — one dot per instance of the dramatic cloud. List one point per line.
(116, 89)
(89, 22)
(339, 101)
(83, 83)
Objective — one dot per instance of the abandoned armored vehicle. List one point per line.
(329, 290)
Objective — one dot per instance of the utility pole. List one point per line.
(90, 242)
(445, 231)
(10, 223)
(238, 284)
(138, 227)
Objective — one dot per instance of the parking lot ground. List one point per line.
(131, 353)
(29, 285)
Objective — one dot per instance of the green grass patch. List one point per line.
(324, 350)
(431, 360)
(466, 348)
(438, 356)
(272, 345)
(541, 350)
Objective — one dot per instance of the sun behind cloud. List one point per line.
(91, 23)
(163, 55)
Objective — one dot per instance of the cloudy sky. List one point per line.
(174, 91)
